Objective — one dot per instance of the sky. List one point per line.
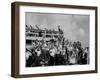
(75, 26)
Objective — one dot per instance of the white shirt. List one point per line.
(27, 55)
(38, 52)
(52, 52)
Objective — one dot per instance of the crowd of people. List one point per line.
(60, 52)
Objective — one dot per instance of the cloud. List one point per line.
(81, 32)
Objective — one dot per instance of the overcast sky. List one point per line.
(75, 27)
